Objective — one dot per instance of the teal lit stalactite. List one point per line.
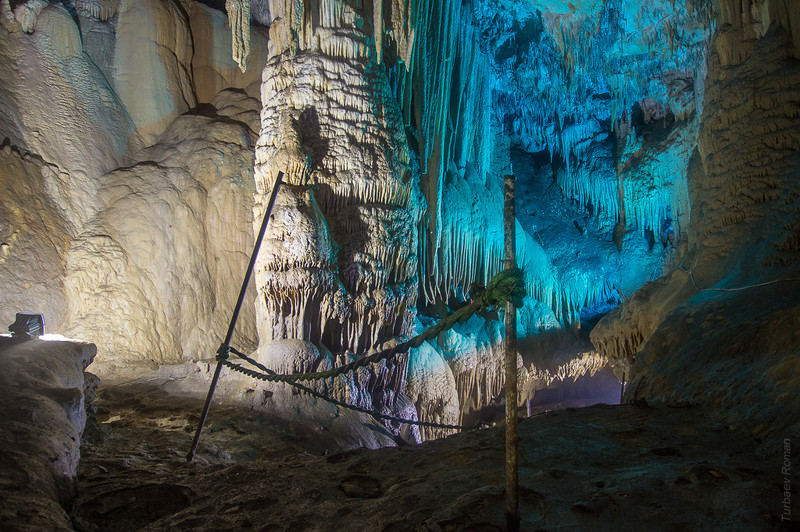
(621, 133)
(512, 436)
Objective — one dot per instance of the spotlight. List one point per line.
(27, 326)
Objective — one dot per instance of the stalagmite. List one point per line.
(432, 388)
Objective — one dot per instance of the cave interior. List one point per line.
(654, 149)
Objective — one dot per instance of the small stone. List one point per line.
(361, 487)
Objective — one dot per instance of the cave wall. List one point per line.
(126, 218)
(721, 330)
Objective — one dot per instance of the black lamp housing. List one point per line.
(27, 325)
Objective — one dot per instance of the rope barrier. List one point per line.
(235, 316)
(737, 289)
(505, 287)
(268, 372)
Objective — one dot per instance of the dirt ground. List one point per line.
(604, 467)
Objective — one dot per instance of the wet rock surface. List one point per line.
(598, 468)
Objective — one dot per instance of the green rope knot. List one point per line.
(508, 286)
(223, 352)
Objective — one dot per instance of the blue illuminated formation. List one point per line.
(593, 106)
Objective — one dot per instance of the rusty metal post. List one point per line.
(512, 437)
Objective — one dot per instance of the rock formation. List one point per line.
(715, 330)
(45, 399)
(339, 264)
(120, 221)
(171, 239)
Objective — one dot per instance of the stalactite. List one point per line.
(622, 131)
(239, 20)
(465, 104)
(378, 25)
(99, 9)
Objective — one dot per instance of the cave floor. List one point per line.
(604, 467)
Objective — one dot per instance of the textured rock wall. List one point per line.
(55, 102)
(717, 330)
(746, 187)
(33, 241)
(548, 78)
(152, 230)
(432, 389)
(123, 218)
(154, 276)
(339, 263)
(152, 64)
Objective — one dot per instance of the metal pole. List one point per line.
(235, 316)
(512, 437)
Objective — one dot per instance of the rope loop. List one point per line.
(508, 286)
(224, 352)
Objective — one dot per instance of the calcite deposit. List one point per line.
(169, 243)
(213, 68)
(122, 222)
(333, 128)
(339, 264)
